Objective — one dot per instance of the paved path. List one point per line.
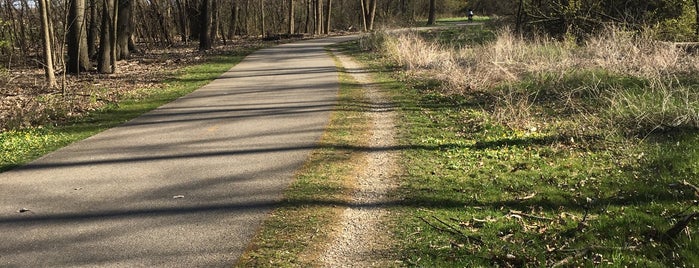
(185, 185)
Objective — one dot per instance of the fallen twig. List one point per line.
(583, 222)
(597, 248)
(451, 230)
(676, 229)
(682, 213)
(457, 231)
(522, 214)
(696, 189)
(520, 199)
(567, 260)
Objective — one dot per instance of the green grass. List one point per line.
(479, 193)
(18, 147)
(464, 19)
(462, 176)
(295, 234)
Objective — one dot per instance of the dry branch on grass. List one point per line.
(452, 230)
(695, 188)
(520, 214)
(676, 229)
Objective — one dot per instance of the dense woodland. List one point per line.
(87, 35)
(86, 31)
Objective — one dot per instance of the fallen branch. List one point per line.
(676, 229)
(598, 248)
(567, 260)
(520, 199)
(696, 189)
(522, 214)
(682, 213)
(452, 230)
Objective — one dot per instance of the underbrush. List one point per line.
(538, 152)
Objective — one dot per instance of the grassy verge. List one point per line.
(518, 173)
(21, 146)
(295, 233)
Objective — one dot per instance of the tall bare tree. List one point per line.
(327, 16)
(307, 26)
(432, 18)
(291, 16)
(124, 29)
(205, 24)
(48, 54)
(696, 14)
(234, 25)
(263, 30)
(368, 14)
(215, 21)
(318, 19)
(78, 58)
(92, 28)
(106, 57)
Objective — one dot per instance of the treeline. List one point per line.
(76, 34)
(674, 20)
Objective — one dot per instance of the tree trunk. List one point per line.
(246, 16)
(696, 9)
(308, 17)
(23, 39)
(92, 31)
(222, 31)
(235, 10)
(291, 17)
(318, 19)
(327, 16)
(48, 54)
(520, 17)
(433, 13)
(194, 14)
(372, 15)
(182, 14)
(214, 21)
(105, 62)
(115, 27)
(364, 18)
(78, 57)
(263, 30)
(124, 29)
(205, 23)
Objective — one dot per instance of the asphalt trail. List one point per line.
(185, 185)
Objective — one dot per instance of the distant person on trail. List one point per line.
(470, 14)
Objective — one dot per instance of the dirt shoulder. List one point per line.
(363, 239)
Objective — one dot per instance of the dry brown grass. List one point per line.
(573, 75)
